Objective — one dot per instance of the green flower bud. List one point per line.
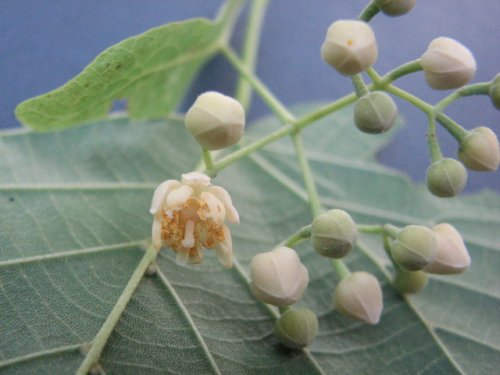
(395, 7)
(375, 113)
(359, 296)
(296, 328)
(494, 91)
(452, 256)
(333, 233)
(407, 282)
(479, 151)
(350, 47)
(446, 177)
(447, 64)
(414, 247)
(215, 120)
(278, 277)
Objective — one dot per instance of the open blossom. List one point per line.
(189, 215)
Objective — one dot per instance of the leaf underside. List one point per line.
(150, 71)
(75, 210)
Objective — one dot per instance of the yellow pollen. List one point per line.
(350, 42)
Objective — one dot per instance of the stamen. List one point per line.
(188, 240)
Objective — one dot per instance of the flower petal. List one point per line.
(156, 233)
(161, 193)
(179, 196)
(216, 209)
(195, 179)
(222, 194)
(224, 249)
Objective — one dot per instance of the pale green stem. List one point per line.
(312, 192)
(371, 229)
(289, 129)
(475, 89)
(400, 71)
(369, 12)
(273, 103)
(451, 126)
(359, 85)
(227, 16)
(102, 336)
(209, 163)
(250, 48)
(432, 140)
(340, 268)
(296, 238)
(391, 230)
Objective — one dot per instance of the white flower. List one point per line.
(278, 277)
(189, 215)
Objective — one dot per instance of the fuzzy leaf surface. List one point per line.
(75, 209)
(151, 71)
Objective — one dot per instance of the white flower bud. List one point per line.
(278, 277)
(480, 151)
(215, 120)
(375, 113)
(296, 328)
(494, 91)
(395, 7)
(414, 247)
(359, 296)
(451, 256)
(350, 47)
(447, 64)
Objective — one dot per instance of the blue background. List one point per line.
(45, 43)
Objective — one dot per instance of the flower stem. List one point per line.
(340, 268)
(369, 12)
(432, 140)
(283, 309)
(250, 48)
(391, 230)
(371, 229)
(312, 192)
(102, 336)
(400, 71)
(475, 89)
(296, 238)
(207, 158)
(272, 102)
(359, 85)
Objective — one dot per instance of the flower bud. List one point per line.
(452, 256)
(395, 7)
(350, 46)
(407, 282)
(296, 328)
(333, 233)
(446, 177)
(215, 120)
(414, 247)
(375, 113)
(278, 277)
(447, 64)
(494, 91)
(359, 296)
(479, 151)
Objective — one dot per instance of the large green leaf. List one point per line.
(75, 213)
(151, 71)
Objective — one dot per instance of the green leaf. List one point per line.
(151, 71)
(72, 233)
